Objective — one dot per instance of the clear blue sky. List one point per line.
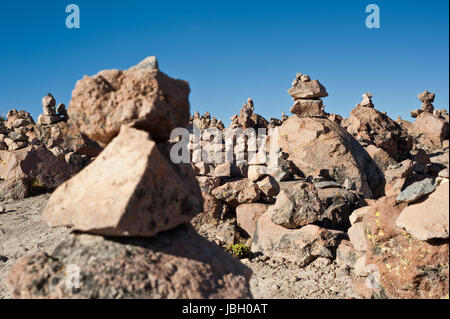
(231, 50)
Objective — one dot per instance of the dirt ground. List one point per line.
(23, 232)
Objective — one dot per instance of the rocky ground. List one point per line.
(317, 205)
(23, 233)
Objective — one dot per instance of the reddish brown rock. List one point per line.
(36, 164)
(178, 264)
(317, 143)
(239, 192)
(307, 90)
(380, 157)
(212, 211)
(248, 214)
(308, 108)
(13, 189)
(377, 128)
(142, 96)
(300, 246)
(130, 189)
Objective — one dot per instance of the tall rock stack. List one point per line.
(131, 206)
(315, 143)
(307, 96)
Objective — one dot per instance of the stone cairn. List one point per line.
(427, 99)
(134, 191)
(307, 96)
(51, 115)
(366, 101)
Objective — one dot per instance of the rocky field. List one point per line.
(127, 195)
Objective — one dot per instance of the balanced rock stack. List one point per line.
(431, 127)
(132, 189)
(306, 94)
(314, 142)
(49, 115)
(367, 100)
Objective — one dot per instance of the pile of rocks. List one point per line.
(205, 121)
(431, 127)
(307, 96)
(132, 189)
(15, 131)
(384, 139)
(51, 115)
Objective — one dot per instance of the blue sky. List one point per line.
(231, 50)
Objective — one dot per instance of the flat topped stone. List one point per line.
(308, 90)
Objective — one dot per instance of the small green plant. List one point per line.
(238, 250)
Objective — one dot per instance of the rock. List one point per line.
(14, 189)
(308, 108)
(44, 119)
(420, 168)
(151, 196)
(402, 170)
(203, 168)
(141, 96)
(378, 129)
(178, 264)
(225, 233)
(318, 143)
(248, 215)
(268, 186)
(149, 63)
(357, 235)
(300, 246)
(346, 255)
(256, 171)
(381, 158)
(296, 205)
(237, 192)
(416, 191)
(428, 219)
(406, 267)
(444, 173)
(207, 184)
(226, 170)
(338, 205)
(358, 214)
(212, 211)
(430, 130)
(326, 184)
(308, 90)
(36, 164)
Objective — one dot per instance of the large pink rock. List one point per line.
(428, 219)
(430, 129)
(131, 189)
(314, 144)
(142, 96)
(36, 164)
(247, 216)
(178, 264)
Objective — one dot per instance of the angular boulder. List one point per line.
(130, 189)
(318, 143)
(141, 96)
(297, 205)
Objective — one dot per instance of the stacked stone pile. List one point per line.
(307, 96)
(132, 189)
